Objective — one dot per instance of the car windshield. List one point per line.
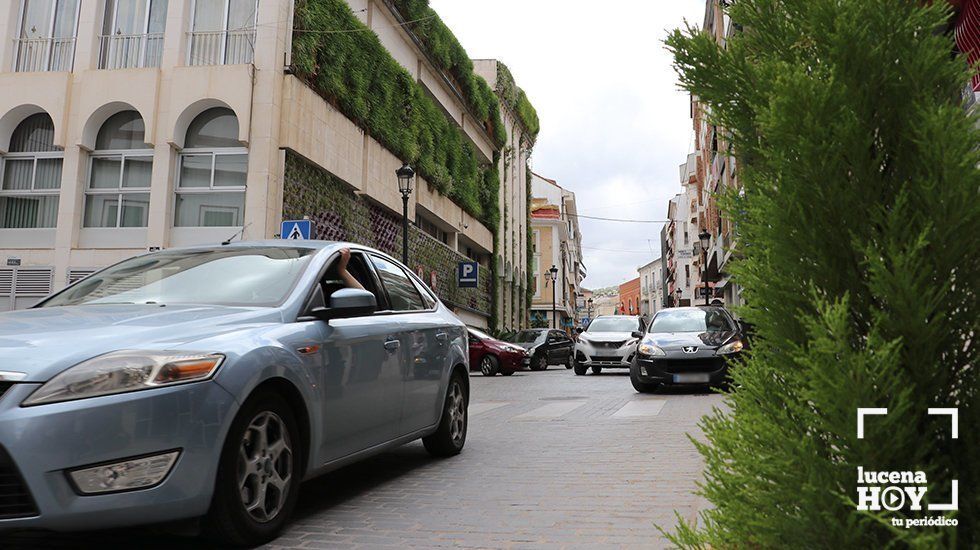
(528, 336)
(691, 320)
(615, 324)
(233, 276)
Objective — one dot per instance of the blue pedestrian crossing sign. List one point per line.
(468, 275)
(296, 230)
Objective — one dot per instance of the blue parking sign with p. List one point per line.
(296, 230)
(468, 274)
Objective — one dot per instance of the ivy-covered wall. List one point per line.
(339, 214)
(343, 61)
(515, 98)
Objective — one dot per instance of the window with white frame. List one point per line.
(212, 170)
(132, 34)
(46, 35)
(536, 261)
(118, 193)
(31, 179)
(222, 32)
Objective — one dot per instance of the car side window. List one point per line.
(402, 294)
(358, 268)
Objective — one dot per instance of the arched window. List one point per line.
(213, 168)
(118, 193)
(31, 176)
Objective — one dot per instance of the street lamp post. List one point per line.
(554, 298)
(405, 175)
(678, 293)
(705, 239)
(590, 310)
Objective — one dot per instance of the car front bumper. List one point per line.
(674, 369)
(591, 355)
(514, 361)
(43, 442)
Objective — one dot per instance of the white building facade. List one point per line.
(651, 288)
(134, 125)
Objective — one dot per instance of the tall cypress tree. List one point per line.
(860, 263)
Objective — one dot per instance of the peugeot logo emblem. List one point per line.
(690, 349)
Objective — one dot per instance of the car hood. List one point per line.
(677, 340)
(525, 345)
(44, 341)
(606, 336)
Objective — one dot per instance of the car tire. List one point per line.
(489, 365)
(506, 373)
(570, 361)
(641, 386)
(580, 369)
(596, 370)
(538, 362)
(265, 429)
(450, 436)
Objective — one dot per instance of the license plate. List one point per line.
(692, 378)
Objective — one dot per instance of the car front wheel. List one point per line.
(450, 436)
(539, 363)
(580, 369)
(489, 365)
(258, 474)
(640, 385)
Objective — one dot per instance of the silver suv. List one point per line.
(609, 342)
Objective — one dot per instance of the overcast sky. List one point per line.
(614, 126)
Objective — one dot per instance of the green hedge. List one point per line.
(355, 72)
(450, 56)
(516, 99)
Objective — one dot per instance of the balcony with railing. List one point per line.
(43, 54)
(221, 47)
(131, 51)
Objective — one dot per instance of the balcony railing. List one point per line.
(43, 54)
(131, 51)
(221, 47)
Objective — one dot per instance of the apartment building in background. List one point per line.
(513, 307)
(556, 242)
(629, 298)
(681, 275)
(128, 126)
(651, 288)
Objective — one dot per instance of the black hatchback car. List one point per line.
(686, 346)
(546, 347)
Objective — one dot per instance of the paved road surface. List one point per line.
(552, 460)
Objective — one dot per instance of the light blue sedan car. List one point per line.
(210, 381)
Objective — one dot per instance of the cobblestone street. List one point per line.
(552, 460)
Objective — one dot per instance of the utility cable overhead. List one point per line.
(616, 219)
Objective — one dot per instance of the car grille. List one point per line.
(608, 345)
(678, 366)
(606, 359)
(15, 498)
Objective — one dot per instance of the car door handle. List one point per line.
(392, 345)
(442, 336)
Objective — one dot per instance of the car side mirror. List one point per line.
(347, 303)
(579, 330)
(636, 334)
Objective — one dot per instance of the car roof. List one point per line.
(281, 243)
(618, 317)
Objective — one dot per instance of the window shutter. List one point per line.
(34, 281)
(76, 274)
(6, 282)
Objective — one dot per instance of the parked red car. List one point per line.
(490, 356)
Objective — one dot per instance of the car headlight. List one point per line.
(125, 371)
(730, 348)
(651, 350)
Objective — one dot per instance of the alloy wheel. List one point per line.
(486, 365)
(457, 413)
(265, 466)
